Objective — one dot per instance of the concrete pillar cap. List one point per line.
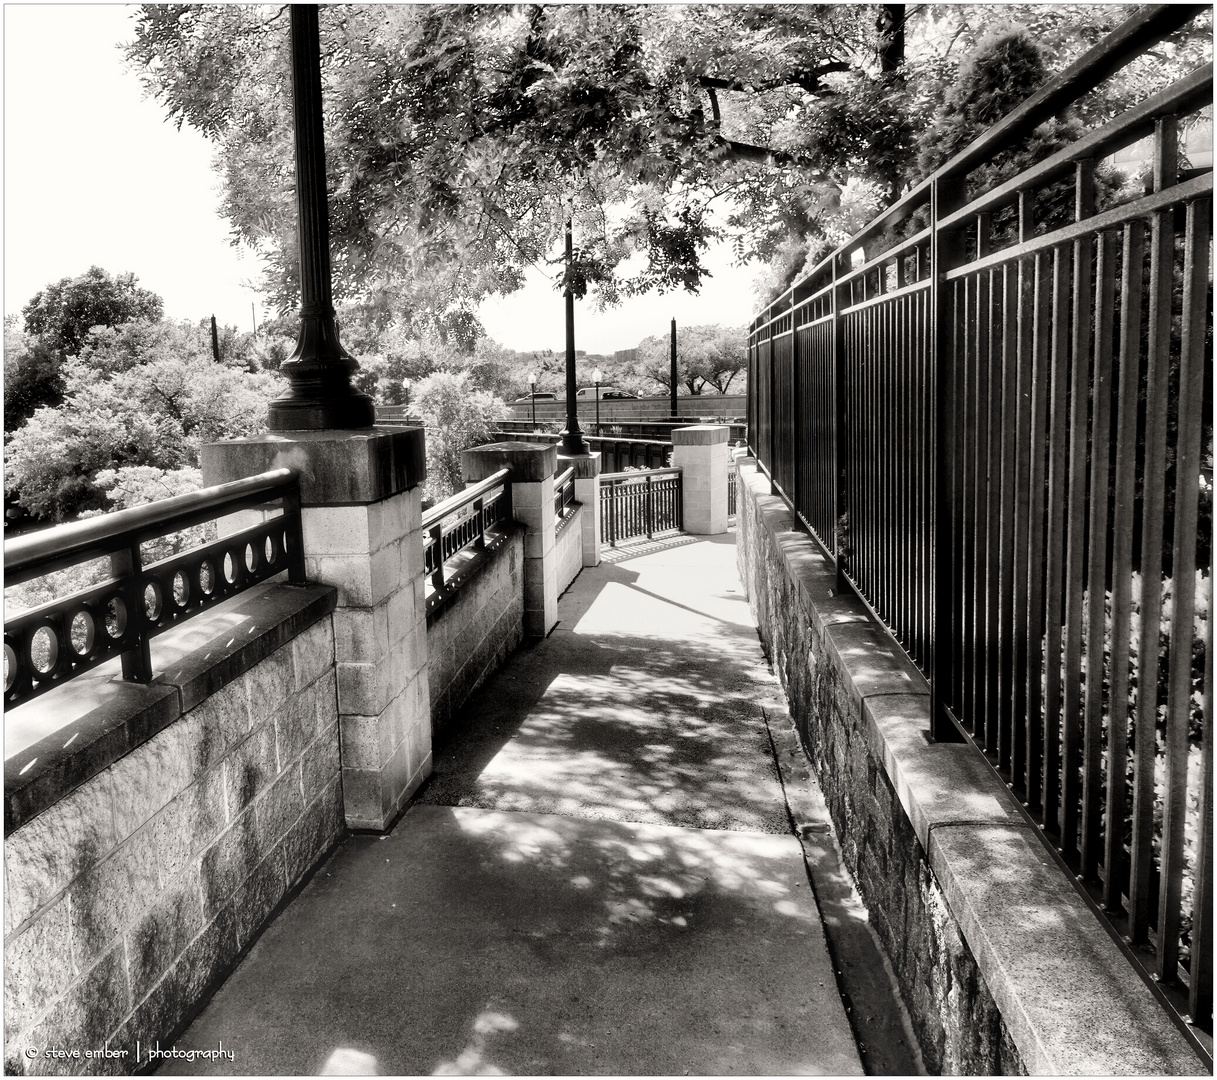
(529, 462)
(585, 465)
(700, 435)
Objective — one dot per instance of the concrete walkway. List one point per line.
(600, 877)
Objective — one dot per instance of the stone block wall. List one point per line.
(1003, 967)
(568, 548)
(472, 635)
(129, 897)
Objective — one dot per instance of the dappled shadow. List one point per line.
(482, 942)
(544, 906)
(641, 707)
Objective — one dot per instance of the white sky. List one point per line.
(94, 175)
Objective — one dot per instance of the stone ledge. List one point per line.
(1070, 1001)
(98, 718)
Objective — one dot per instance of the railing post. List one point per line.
(587, 492)
(437, 546)
(946, 251)
(532, 468)
(295, 561)
(137, 662)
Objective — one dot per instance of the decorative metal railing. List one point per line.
(455, 530)
(732, 481)
(1000, 430)
(564, 497)
(643, 503)
(53, 642)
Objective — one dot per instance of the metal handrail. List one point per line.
(461, 523)
(56, 641)
(639, 474)
(38, 553)
(462, 499)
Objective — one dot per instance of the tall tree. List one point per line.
(63, 313)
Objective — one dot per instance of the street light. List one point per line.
(405, 393)
(532, 389)
(596, 377)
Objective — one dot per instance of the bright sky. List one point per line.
(95, 175)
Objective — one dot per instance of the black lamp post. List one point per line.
(572, 444)
(673, 369)
(319, 394)
(532, 389)
(596, 376)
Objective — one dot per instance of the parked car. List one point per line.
(607, 393)
(535, 397)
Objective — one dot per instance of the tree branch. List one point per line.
(809, 80)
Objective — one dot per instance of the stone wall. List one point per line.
(709, 406)
(133, 893)
(1003, 967)
(568, 549)
(472, 635)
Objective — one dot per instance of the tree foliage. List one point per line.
(460, 138)
(61, 315)
(707, 357)
(129, 408)
(457, 416)
(31, 377)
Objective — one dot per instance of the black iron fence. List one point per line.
(1000, 430)
(457, 531)
(644, 503)
(118, 616)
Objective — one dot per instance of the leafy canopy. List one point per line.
(63, 313)
(460, 138)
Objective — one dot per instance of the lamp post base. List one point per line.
(572, 443)
(355, 411)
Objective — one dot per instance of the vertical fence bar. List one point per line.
(946, 196)
(840, 452)
(1096, 579)
(1022, 508)
(1124, 507)
(1041, 367)
(1006, 559)
(1054, 553)
(1157, 392)
(1071, 719)
(1200, 976)
(1183, 573)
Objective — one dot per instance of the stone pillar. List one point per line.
(532, 468)
(362, 509)
(701, 452)
(587, 492)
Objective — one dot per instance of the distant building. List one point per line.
(625, 356)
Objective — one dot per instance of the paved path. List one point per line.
(600, 877)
